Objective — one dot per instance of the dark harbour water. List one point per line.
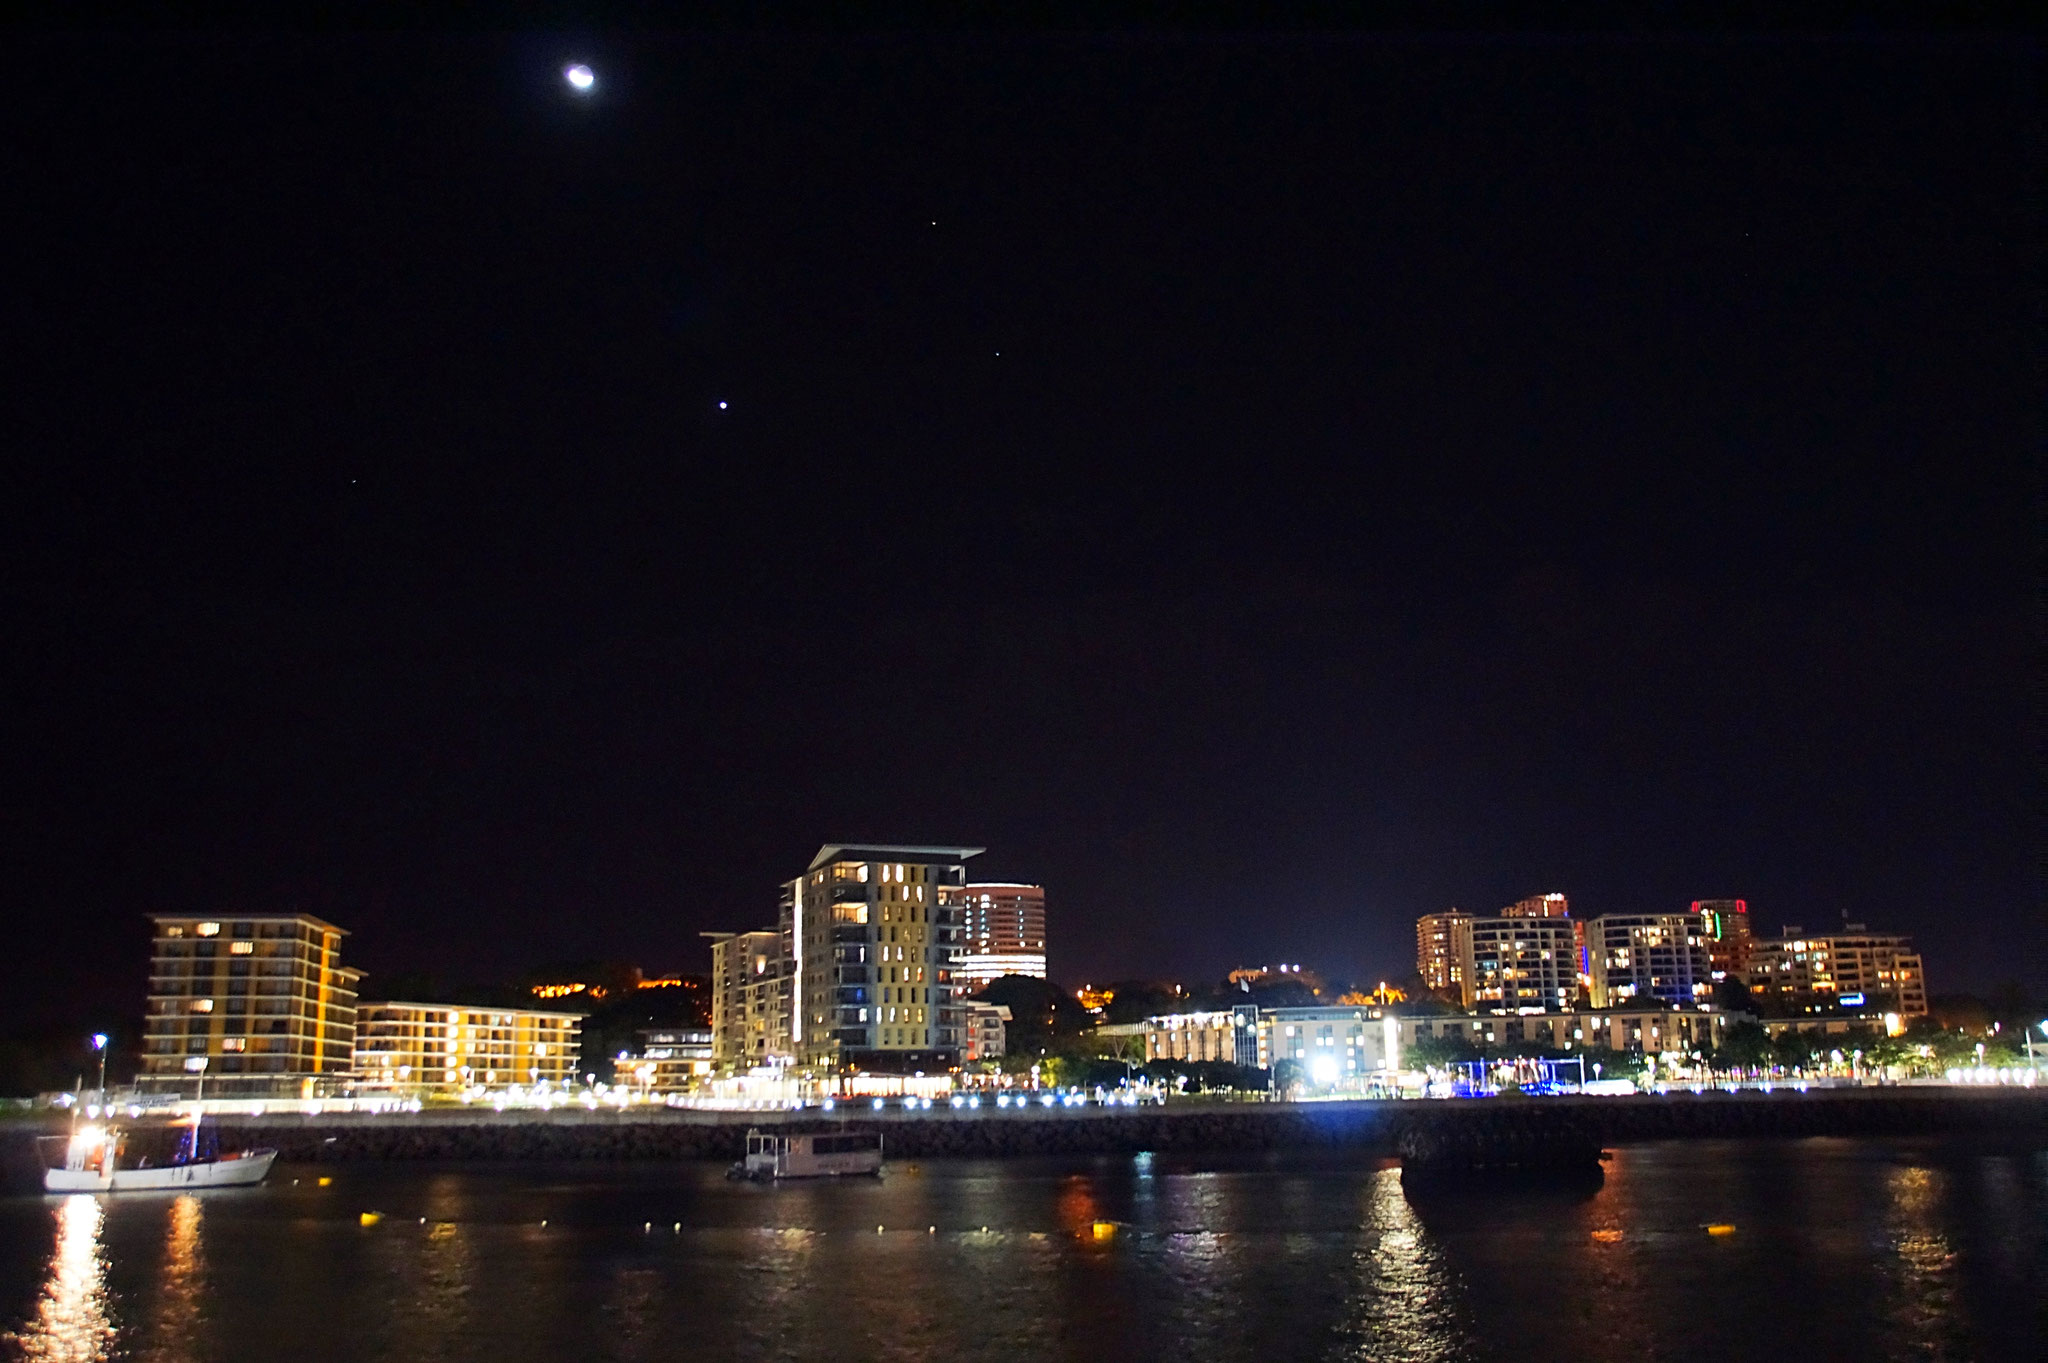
(1860, 1250)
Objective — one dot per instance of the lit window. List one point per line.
(241, 948)
(208, 929)
(174, 931)
(234, 1043)
(202, 1005)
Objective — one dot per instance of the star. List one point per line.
(580, 77)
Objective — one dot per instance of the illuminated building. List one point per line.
(985, 1031)
(1637, 959)
(1094, 1000)
(1650, 1031)
(1726, 925)
(873, 933)
(1854, 970)
(1002, 932)
(1210, 1036)
(254, 1007)
(447, 1049)
(1437, 958)
(1539, 906)
(670, 1060)
(1514, 964)
(751, 999)
(1335, 1049)
(1247, 975)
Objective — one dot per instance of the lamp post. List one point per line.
(99, 1043)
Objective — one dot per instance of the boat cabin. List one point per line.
(815, 1155)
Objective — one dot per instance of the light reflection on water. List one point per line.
(175, 1325)
(1896, 1254)
(71, 1323)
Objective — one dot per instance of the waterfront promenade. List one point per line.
(1474, 1131)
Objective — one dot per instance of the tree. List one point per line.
(1792, 1049)
(1041, 1013)
(1746, 1045)
(1731, 995)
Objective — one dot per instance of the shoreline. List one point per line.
(1438, 1132)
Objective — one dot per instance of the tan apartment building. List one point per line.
(752, 999)
(1437, 958)
(255, 1006)
(874, 932)
(1854, 970)
(426, 1050)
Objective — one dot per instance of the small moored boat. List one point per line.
(93, 1164)
(836, 1154)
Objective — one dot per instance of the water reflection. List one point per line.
(71, 1322)
(1407, 1301)
(175, 1325)
(1922, 1301)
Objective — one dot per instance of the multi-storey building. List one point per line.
(669, 1060)
(1339, 1049)
(1519, 964)
(451, 1049)
(873, 933)
(752, 999)
(1002, 932)
(1651, 1031)
(1646, 958)
(259, 1006)
(1539, 906)
(985, 1029)
(1853, 970)
(1725, 923)
(1436, 953)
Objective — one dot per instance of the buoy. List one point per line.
(1104, 1229)
(1720, 1228)
(931, 1230)
(371, 1218)
(423, 1221)
(647, 1226)
(878, 1230)
(543, 1224)
(679, 1228)
(325, 1180)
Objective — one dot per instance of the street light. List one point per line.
(99, 1043)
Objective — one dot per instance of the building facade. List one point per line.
(1854, 970)
(669, 1059)
(752, 1000)
(1725, 924)
(1651, 1031)
(257, 1006)
(1437, 958)
(1515, 964)
(985, 1032)
(1539, 906)
(874, 931)
(1333, 1049)
(1002, 932)
(1646, 958)
(450, 1050)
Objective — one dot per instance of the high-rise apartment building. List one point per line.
(1726, 925)
(1437, 957)
(1852, 970)
(873, 933)
(752, 999)
(1519, 963)
(451, 1049)
(1539, 906)
(1002, 932)
(1658, 958)
(258, 1006)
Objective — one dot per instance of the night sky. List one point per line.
(1263, 488)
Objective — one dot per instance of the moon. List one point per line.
(580, 77)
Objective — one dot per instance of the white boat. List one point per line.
(836, 1154)
(92, 1164)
